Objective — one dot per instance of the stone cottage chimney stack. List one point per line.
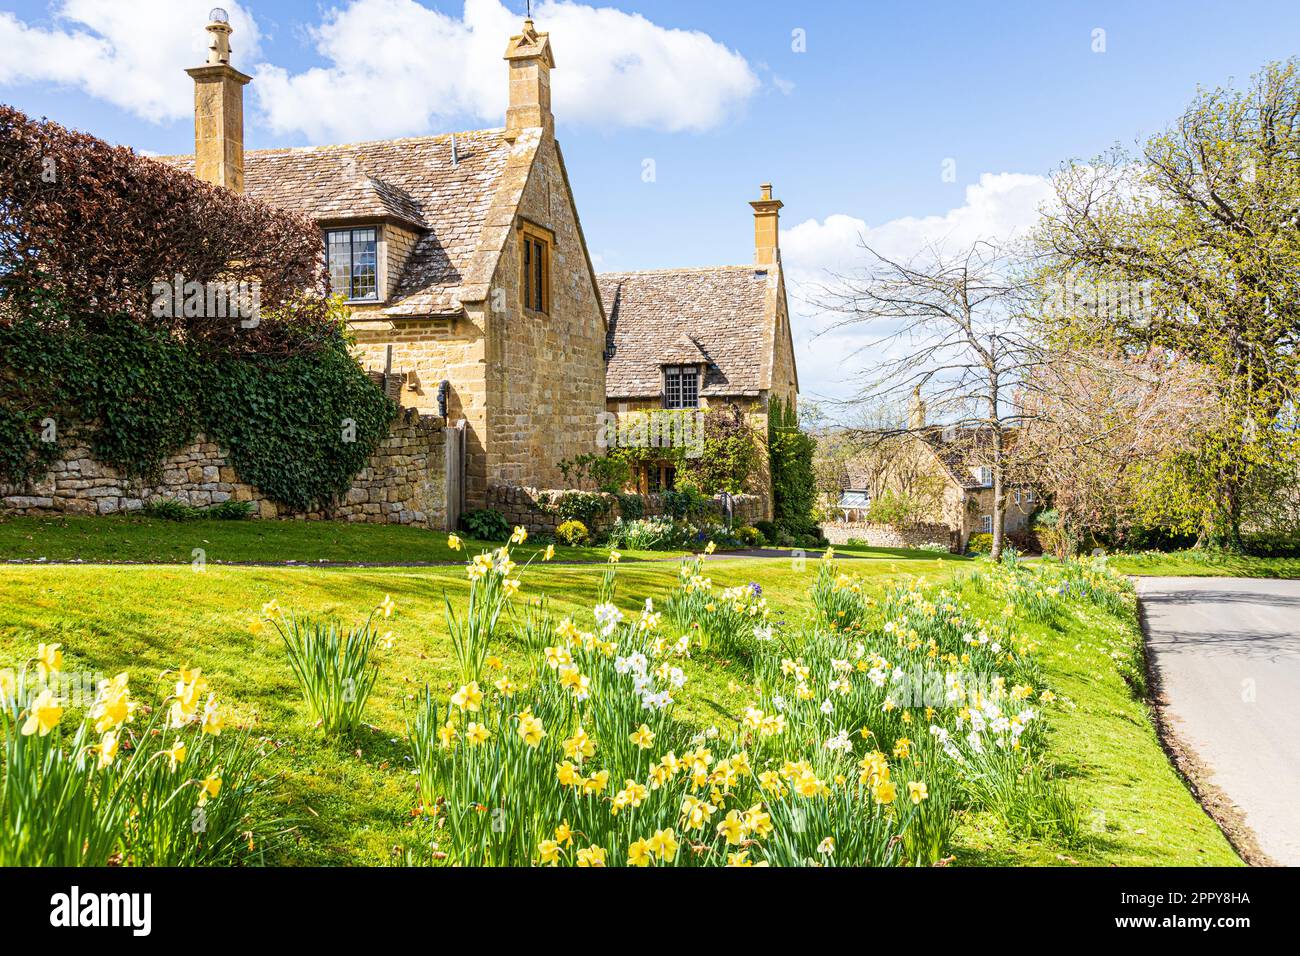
(915, 411)
(531, 61)
(219, 110)
(767, 221)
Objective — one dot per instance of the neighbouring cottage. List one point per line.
(461, 257)
(702, 337)
(945, 476)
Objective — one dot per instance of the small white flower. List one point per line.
(827, 707)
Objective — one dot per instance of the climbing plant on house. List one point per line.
(89, 233)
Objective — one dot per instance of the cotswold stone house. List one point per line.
(461, 257)
(946, 471)
(696, 338)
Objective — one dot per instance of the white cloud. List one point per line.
(129, 54)
(397, 66)
(1000, 206)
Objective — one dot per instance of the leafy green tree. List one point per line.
(1193, 246)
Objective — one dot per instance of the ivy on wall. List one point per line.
(299, 426)
(87, 232)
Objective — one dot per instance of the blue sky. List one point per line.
(854, 131)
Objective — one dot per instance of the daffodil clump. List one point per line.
(723, 620)
(333, 665)
(122, 782)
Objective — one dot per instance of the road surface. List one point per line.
(1227, 654)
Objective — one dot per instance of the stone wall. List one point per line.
(533, 508)
(403, 483)
(888, 536)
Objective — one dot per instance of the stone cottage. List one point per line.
(701, 337)
(945, 472)
(460, 256)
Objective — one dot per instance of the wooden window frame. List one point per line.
(378, 294)
(679, 372)
(534, 275)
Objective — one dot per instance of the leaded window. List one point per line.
(681, 386)
(353, 262)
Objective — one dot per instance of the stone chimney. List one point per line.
(767, 221)
(531, 62)
(916, 410)
(219, 110)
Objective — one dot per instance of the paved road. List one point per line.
(1227, 652)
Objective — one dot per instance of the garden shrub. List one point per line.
(485, 524)
(686, 503)
(749, 536)
(794, 489)
(572, 532)
(608, 473)
(980, 543)
(769, 530)
(88, 231)
(631, 507)
(584, 506)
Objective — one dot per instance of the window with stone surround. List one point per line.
(535, 266)
(681, 386)
(353, 257)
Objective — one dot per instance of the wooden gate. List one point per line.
(455, 488)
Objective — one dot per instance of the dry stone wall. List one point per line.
(888, 536)
(535, 508)
(404, 482)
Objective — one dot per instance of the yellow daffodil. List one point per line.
(43, 714)
(506, 687)
(591, 856)
(520, 535)
(446, 736)
(49, 659)
(530, 728)
(643, 737)
(884, 792)
(579, 747)
(113, 707)
(387, 606)
(917, 791)
(639, 853)
(270, 608)
(454, 542)
(550, 552)
(476, 734)
(614, 557)
(469, 698)
(564, 834)
(510, 587)
(209, 788)
(664, 845)
(548, 852)
(710, 548)
(107, 748)
(733, 828)
(175, 755)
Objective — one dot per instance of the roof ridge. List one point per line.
(681, 269)
(322, 147)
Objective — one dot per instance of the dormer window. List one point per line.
(986, 476)
(353, 259)
(681, 386)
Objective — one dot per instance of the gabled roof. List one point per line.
(726, 313)
(961, 450)
(410, 182)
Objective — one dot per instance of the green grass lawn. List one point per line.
(136, 539)
(1205, 564)
(353, 801)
